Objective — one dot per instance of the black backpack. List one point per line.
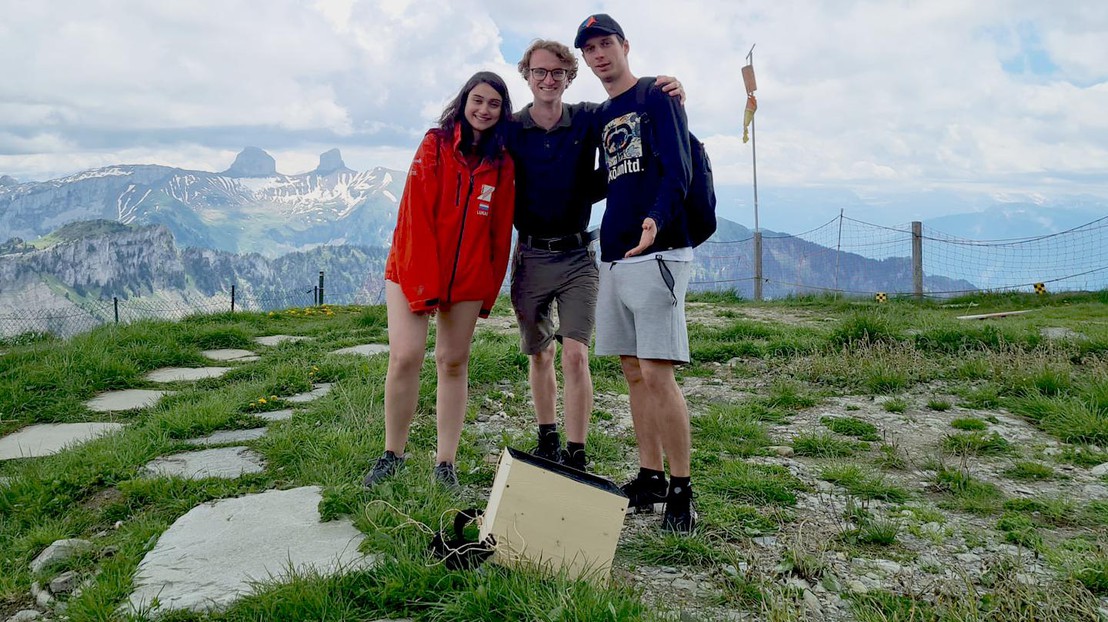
(700, 200)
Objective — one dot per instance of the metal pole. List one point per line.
(321, 287)
(757, 228)
(758, 265)
(839, 249)
(917, 259)
(115, 304)
(232, 299)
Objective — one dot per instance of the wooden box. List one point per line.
(550, 515)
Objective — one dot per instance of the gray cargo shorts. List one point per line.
(539, 279)
(641, 310)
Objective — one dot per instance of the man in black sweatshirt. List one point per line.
(646, 260)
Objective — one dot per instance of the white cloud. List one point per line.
(854, 93)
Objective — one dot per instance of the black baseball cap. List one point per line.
(599, 24)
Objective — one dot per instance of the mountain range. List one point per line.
(185, 237)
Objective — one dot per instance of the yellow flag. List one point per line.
(748, 116)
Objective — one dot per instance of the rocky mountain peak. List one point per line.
(252, 162)
(8, 180)
(331, 162)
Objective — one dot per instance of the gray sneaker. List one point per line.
(446, 475)
(385, 467)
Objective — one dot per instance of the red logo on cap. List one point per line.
(591, 21)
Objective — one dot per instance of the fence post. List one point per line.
(917, 259)
(758, 266)
(320, 300)
(232, 299)
(115, 305)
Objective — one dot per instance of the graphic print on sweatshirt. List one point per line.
(486, 195)
(622, 140)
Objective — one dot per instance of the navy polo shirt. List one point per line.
(556, 177)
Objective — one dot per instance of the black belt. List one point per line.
(564, 243)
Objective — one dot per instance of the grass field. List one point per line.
(853, 461)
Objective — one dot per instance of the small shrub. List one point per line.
(938, 405)
(879, 532)
(861, 330)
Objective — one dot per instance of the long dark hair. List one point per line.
(492, 142)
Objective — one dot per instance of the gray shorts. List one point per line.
(637, 315)
(541, 277)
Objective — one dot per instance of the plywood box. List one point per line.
(547, 514)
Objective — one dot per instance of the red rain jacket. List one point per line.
(454, 227)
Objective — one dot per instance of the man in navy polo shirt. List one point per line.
(554, 146)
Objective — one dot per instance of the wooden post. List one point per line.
(232, 299)
(758, 266)
(320, 301)
(917, 259)
(115, 305)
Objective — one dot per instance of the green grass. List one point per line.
(895, 405)
(969, 424)
(976, 444)
(851, 426)
(1026, 470)
(864, 483)
(823, 445)
(835, 348)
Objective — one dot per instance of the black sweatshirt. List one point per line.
(645, 155)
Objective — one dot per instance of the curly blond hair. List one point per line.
(561, 51)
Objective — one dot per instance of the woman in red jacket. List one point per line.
(448, 258)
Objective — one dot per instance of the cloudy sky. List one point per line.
(875, 97)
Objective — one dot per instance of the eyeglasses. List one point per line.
(540, 74)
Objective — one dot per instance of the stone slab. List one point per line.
(318, 391)
(209, 557)
(368, 349)
(177, 374)
(119, 401)
(49, 438)
(224, 462)
(273, 340)
(229, 436)
(276, 415)
(230, 354)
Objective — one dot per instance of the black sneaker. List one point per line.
(385, 467)
(680, 516)
(575, 460)
(446, 475)
(643, 493)
(550, 448)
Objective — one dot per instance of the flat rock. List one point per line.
(369, 349)
(1100, 470)
(58, 551)
(318, 391)
(26, 615)
(224, 462)
(273, 340)
(230, 354)
(210, 557)
(177, 374)
(229, 436)
(1056, 333)
(130, 399)
(49, 438)
(276, 415)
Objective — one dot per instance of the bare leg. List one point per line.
(544, 384)
(407, 342)
(667, 408)
(578, 389)
(452, 344)
(646, 433)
